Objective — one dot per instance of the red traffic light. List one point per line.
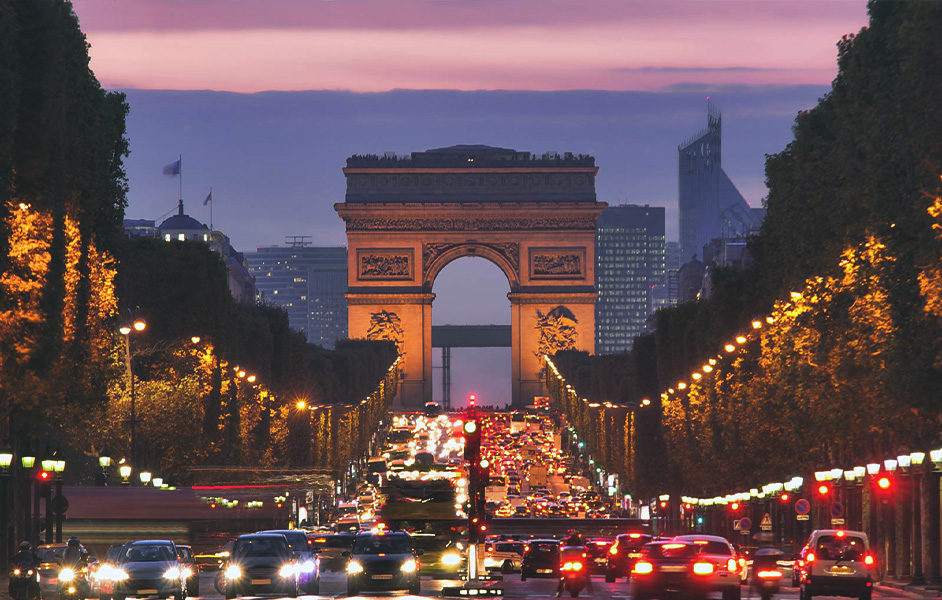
(663, 503)
(784, 497)
(43, 476)
(823, 490)
(734, 506)
(884, 483)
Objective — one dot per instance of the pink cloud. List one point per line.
(376, 45)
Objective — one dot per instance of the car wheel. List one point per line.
(315, 587)
(507, 568)
(416, 588)
(219, 582)
(193, 590)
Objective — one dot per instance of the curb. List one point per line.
(917, 591)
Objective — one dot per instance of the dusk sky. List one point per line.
(624, 81)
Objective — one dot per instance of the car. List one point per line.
(330, 549)
(106, 571)
(306, 557)
(597, 549)
(213, 561)
(192, 570)
(505, 556)
(837, 563)
(717, 551)
(261, 563)
(149, 568)
(686, 568)
(622, 554)
(383, 561)
(50, 561)
(540, 558)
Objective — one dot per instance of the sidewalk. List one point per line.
(916, 591)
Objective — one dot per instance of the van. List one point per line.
(837, 562)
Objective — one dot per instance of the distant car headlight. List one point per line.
(353, 567)
(233, 572)
(172, 573)
(409, 566)
(66, 575)
(287, 570)
(489, 561)
(453, 559)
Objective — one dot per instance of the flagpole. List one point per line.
(181, 179)
(211, 211)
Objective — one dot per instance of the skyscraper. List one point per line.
(710, 205)
(629, 250)
(309, 282)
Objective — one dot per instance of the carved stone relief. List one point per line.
(383, 264)
(574, 223)
(557, 263)
(386, 325)
(557, 329)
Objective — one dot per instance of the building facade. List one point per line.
(630, 275)
(309, 283)
(710, 205)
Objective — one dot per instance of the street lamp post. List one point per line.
(125, 472)
(6, 459)
(126, 330)
(27, 461)
(104, 462)
(889, 526)
(59, 502)
(919, 531)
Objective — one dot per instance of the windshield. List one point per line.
(260, 546)
(148, 553)
(677, 550)
(382, 544)
(51, 554)
(844, 547)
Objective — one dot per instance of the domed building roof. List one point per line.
(181, 221)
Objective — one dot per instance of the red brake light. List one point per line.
(840, 534)
(810, 557)
(774, 574)
(613, 550)
(731, 564)
(703, 568)
(868, 560)
(643, 568)
(634, 536)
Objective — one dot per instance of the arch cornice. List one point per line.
(437, 255)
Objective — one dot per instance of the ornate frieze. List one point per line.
(557, 263)
(389, 264)
(473, 224)
(432, 250)
(557, 330)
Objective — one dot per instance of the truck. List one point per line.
(537, 477)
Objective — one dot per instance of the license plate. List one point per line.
(839, 569)
(599, 561)
(52, 581)
(634, 555)
(544, 570)
(386, 576)
(146, 591)
(261, 581)
(673, 568)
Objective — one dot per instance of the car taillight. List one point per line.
(643, 568)
(731, 564)
(703, 568)
(613, 550)
(773, 574)
(572, 566)
(868, 560)
(810, 557)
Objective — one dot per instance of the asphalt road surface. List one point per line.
(334, 585)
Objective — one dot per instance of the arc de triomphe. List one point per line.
(534, 217)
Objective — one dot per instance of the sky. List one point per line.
(265, 99)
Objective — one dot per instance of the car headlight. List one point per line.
(353, 567)
(233, 572)
(172, 573)
(287, 570)
(409, 566)
(489, 561)
(452, 559)
(119, 575)
(66, 575)
(307, 566)
(187, 572)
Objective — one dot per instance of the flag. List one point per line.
(173, 168)
(209, 198)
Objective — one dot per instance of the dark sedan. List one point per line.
(149, 568)
(261, 563)
(383, 561)
(309, 565)
(540, 559)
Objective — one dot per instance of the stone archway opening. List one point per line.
(470, 291)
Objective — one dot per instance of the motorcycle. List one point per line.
(574, 575)
(73, 583)
(24, 583)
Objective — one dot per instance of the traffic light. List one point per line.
(43, 477)
(823, 490)
(784, 498)
(884, 483)
(477, 530)
(472, 440)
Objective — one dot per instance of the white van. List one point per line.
(837, 562)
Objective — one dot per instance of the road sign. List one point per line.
(803, 517)
(837, 510)
(745, 524)
(736, 524)
(837, 521)
(802, 506)
(766, 523)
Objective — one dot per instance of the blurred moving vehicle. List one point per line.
(383, 561)
(149, 568)
(106, 572)
(309, 564)
(504, 556)
(765, 574)
(50, 561)
(191, 570)
(623, 553)
(598, 549)
(330, 549)
(214, 560)
(261, 563)
(686, 568)
(837, 563)
(540, 558)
